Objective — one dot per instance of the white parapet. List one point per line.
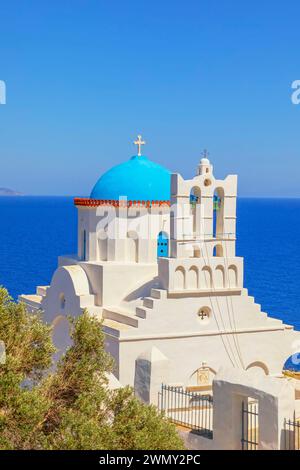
(200, 274)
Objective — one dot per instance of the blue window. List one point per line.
(84, 246)
(162, 245)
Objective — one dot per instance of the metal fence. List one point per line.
(292, 434)
(189, 409)
(250, 425)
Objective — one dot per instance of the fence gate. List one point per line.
(250, 430)
(292, 434)
(189, 409)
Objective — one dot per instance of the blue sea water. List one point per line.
(36, 230)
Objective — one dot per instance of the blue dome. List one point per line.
(139, 179)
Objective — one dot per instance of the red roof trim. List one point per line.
(79, 201)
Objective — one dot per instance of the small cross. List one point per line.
(205, 153)
(202, 314)
(139, 142)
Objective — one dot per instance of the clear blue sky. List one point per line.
(84, 77)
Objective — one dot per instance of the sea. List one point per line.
(34, 231)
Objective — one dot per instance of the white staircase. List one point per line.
(117, 317)
(120, 315)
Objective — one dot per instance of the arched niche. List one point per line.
(232, 276)
(62, 300)
(179, 278)
(193, 278)
(132, 247)
(206, 278)
(219, 280)
(102, 245)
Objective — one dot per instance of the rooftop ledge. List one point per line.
(126, 333)
(199, 292)
(78, 201)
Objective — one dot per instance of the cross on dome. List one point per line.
(139, 142)
(205, 153)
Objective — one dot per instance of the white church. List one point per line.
(156, 262)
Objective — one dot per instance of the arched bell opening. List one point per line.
(195, 201)
(218, 213)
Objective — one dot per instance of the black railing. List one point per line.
(188, 409)
(249, 425)
(292, 434)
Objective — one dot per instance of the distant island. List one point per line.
(9, 192)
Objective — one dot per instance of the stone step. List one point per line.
(148, 302)
(141, 312)
(95, 310)
(31, 300)
(257, 307)
(111, 326)
(122, 316)
(42, 290)
(158, 293)
(275, 321)
(87, 300)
